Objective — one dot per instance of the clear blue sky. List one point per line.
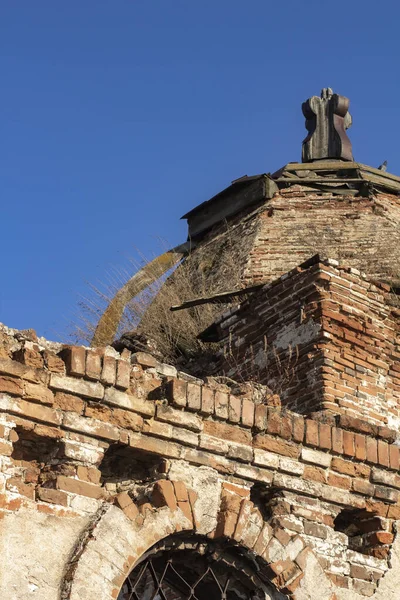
(116, 117)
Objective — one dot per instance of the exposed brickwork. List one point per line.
(327, 339)
(58, 429)
(298, 222)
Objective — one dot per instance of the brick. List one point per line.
(385, 478)
(226, 524)
(30, 410)
(52, 496)
(325, 436)
(348, 443)
(372, 450)
(361, 572)
(282, 536)
(156, 446)
(274, 422)
(8, 385)
(348, 422)
(213, 444)
(292, 585)
(339, 481)
(267, 442)
(30, 357)
(207, 400)
(6, 449)
(287, 465)
(261, 417)
(383, 453)
(16, 369)
(179, 418)
(362, 486)
(337, 440)
(144, 359)
(312, 437)
(38, 393)
(234, 409)
(381, 537)
(266, 459)
(302, 557)
(126, 419)
(123, 500)
(68, 402)
(48, 432)
(393, 512)
(286, 427)
(187, 511)
(98, 411)
(221, 404)
(394, 457)
(89, 474)
(15, 485)
(360, 446)
(194, 396)
(87, 389)
(229, 433)
(316, 457)
(53, 362)
(246, 507)
(123, 374)
(109, 370)
(239, 490)
(387, 494)
(122, 400)
(131, 511)
(89, 426)
(350, 468)
(74, 358)
(75, 486)
(298, 429)
(181, 492)
(177, 391)
(315, 530)
(163, 494)
(247, 412)
(263, 539)
(93, 365)
(372, 524)
(390, 435)
(315, 474)
(340, 496)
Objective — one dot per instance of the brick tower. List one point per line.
(125, 478)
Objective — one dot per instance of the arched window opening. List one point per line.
(193, 568)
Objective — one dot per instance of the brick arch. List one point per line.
(122, 533)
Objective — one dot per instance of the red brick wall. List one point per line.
(325, 338)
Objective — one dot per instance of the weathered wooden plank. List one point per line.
(230, 203)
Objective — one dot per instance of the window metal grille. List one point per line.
(197, 571)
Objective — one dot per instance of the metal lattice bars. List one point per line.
(164, 580)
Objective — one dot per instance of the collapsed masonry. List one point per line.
(123, 478)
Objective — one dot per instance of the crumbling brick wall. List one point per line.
(299, 222)
(325, 336)
(105, 454)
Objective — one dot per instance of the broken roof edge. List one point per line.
(241, 181)
(333, 165)
(318, 165)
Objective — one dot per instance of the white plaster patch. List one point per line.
(293, 335)
(205, 482)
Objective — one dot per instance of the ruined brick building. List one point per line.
(125, 478)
